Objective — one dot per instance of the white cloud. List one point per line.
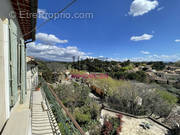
(153, 57)
(42, 14)
(143, 37)
(41, 10)
(140, 7)
(177, 40)
(165, 58)
(160, 8)
(101, 58)
(49, 38)
(54, 53)
(145, 52)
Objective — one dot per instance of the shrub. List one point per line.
(76, 98)
(73, 95)
(112, 126)
(107, 128)
(109, 84)
(125, 99)
(158, 65)
(170, 98)
(82, 118)
(62, 128)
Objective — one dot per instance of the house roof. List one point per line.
(27, 24)
(177, 70)
(31, 60)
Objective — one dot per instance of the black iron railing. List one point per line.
(66, 123)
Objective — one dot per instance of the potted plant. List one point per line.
(38, 87)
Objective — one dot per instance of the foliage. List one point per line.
(76, 98)
(96, 65)
(126, 68)
(126, 63)
(140, 101)
(62, 129)
(109, 84)
(87, 113)
(119, 75)
(81, 117)
(158, 65)
(46, 73)
(170, 98)
(58, 66)
(112, 126)
(95, 128)
(176, 131)
(177, 64)
(118, 70)
(81, 72)
(138, 76)
(107, 128)
(73, 95)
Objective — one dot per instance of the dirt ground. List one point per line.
(131, 126)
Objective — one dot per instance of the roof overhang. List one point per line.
(25, 11)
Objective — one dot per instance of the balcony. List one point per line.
(66, 124)
(42, 114)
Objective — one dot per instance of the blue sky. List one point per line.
(119, 30)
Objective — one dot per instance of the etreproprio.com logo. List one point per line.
(54, 16)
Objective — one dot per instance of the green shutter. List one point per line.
(23, 80)
(25, 69)
(13, 63)
(19, 64)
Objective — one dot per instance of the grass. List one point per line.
(108, 84)
(76, 72)
(170, 98)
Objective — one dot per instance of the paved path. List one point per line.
(20, 119)
(131, 126)
(41, 123)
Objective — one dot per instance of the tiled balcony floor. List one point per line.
(42, 124)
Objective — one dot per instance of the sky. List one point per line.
(138, 30)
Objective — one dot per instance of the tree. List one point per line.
(158, 65)
(128, 99)
(177, 64)
(126, 63)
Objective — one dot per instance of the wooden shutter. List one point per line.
(13, 63)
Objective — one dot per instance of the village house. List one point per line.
(32, 73)
(23, 110)
(15, 33)
(177, 71)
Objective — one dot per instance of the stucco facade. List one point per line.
(4, 72)
(12, 61)
(32, 74)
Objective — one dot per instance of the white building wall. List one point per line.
(32, 76)
(28, 77)
(4, 72)
(5, 11)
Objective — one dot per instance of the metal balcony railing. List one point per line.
(66, 123)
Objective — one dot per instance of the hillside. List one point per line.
(122, 86)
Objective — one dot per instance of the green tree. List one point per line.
(158, 65)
